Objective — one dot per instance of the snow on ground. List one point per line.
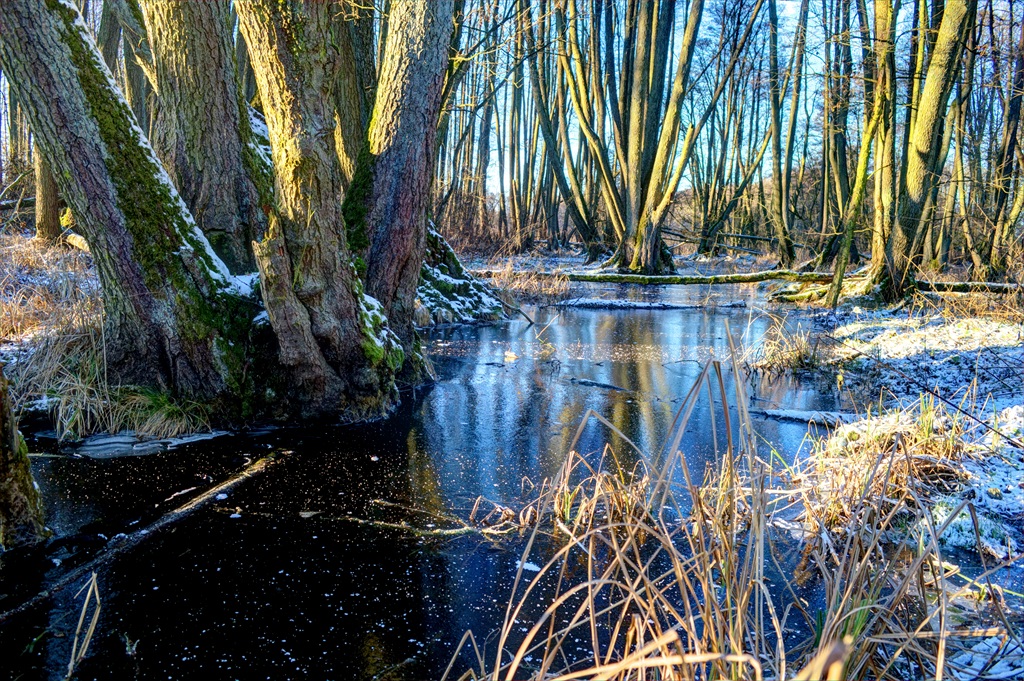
(977, 663)
(904, 355)
(976, 364)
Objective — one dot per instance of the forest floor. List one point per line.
(942, 377)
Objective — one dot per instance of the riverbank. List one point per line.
(934, 385)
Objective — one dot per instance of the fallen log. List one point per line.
(748, 278)
(967, 287)
(122, 543)
(678, 279)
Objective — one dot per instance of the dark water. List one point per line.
(275, 581)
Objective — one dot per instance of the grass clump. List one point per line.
(51, 320)
(890, 457)
(528, 285)
(783, 350)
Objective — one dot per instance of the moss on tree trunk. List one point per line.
(21, 508)
(175, 319)
(197, 131)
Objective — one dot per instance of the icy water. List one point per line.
(276, 582)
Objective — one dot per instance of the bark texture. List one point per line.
(402, 136)
(47, 201)
(21, 508)
(924, 150)
(198, 127)
(333, 342)
(171, 321)
(357, 82)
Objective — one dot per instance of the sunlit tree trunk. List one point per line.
(47, 201)
(334, 345)
(1004, 168)
(780, 203)
(923, 149)
(199, 126)
(885, 180)
(357, 82)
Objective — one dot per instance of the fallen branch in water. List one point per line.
(967, 287)
(119, 545)
(676, 279)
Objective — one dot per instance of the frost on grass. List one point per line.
(448, 293)
(996, 538)
(976, 364)
(904, 355)
(944, 456)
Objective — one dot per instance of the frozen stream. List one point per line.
(272, 581)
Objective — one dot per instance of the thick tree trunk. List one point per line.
(171, 319)
(885, 136)
(401, 145)
(198, 128)
(47, 201)
(923, 149)
(21, 508)
(333, 342)
(357, 83)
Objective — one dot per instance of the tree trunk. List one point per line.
(172, 320)
(401, 150)
(780, 203)
(339, 354)
(47, 201)
(197, 131)
(923, 149)
(1003, 235)
(357, 83)
(21, 507)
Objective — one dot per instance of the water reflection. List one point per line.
(276, 581)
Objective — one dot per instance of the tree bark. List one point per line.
(199, 124)
(172, 319)
(923, 149)
(356, 89)
(21, 507)
(47, 201)
(401, 150)
(333, 342)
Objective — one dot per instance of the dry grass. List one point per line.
(895, 457)
(661, 574)
(782, 350)
(52, 315)
(529, 286)
(42, 287)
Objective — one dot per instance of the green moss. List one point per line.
(161, 229)
(357, 201)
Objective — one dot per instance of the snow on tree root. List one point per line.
(448, 293)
